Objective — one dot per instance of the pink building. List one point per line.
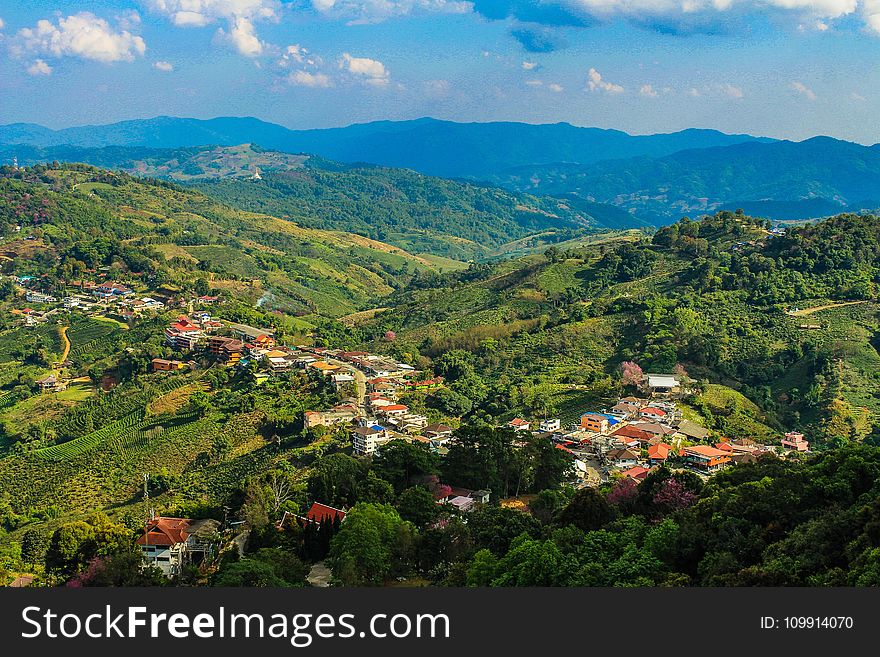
(795, 441)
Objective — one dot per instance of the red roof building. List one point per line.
(320, 513)
(637, 473)
(659, 452)
(630, 431)
(161, 531)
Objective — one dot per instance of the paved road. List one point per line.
(360, 380)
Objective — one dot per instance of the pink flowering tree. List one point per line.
(630, 373)
(673, 496)
(623, 493)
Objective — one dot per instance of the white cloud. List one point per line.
(129, 20)
(240, 15)
(374, 11)
(693, 92)
(529, 66)
(731, 91)
(242, 37)
(165, 67)
(297, 54)
(81, 35)
(198, 13)
(39, 67)
(648, 90)
(859, 98)
(371, 71)
(803, 90)
(534, 83)
(871, 15)
(2, 24)
(306, 79)
(595, 82)
(438, 88)
(556, 88)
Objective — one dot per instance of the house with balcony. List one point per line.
(172, 543)
(706, 459)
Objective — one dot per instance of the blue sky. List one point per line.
(783, 68)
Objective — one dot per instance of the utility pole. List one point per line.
(147, 524)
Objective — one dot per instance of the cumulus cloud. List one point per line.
(39, 67)
(197, 13)
(595, 82)
(871, 14)
(307, 79)
(371, 71)
(534, 83)
(859, 98)
(297, 54)
(677, 16)
(165, 67)
(529, 66)
(375, 11)
(803, 90)
(648, 90)
(82, 35)
(240, 16)
(2, 24)
(242, 37)
(556, 88)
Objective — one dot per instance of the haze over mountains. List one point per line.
(440, 148)
(654, 179)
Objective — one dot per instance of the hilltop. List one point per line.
(421, 214)
(83, 218)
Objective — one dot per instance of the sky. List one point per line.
(781, 68)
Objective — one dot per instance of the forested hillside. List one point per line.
(778, 180)
(420, 214)
(86, 218)
(771, 331)
(781, 330)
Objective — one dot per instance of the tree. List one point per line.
(549, 465)
(248, 573)
(495, 527)
(587, 510)
(73, 545)
(33, 546)
(631, 374)
(335, 479)
(417, 505)
(483, 457)
(362, 552)
(401, 463)
(125, 568)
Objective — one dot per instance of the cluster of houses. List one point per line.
(379, 417)
(636, 435)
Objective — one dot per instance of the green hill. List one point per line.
(547, 333)
(420, 214)
(157, 232)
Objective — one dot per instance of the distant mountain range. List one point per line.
(438, 148)
(652, 179)
(782, 180)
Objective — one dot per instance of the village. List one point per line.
(624, 442)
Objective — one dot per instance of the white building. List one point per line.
(171, 543)
(366, 440)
